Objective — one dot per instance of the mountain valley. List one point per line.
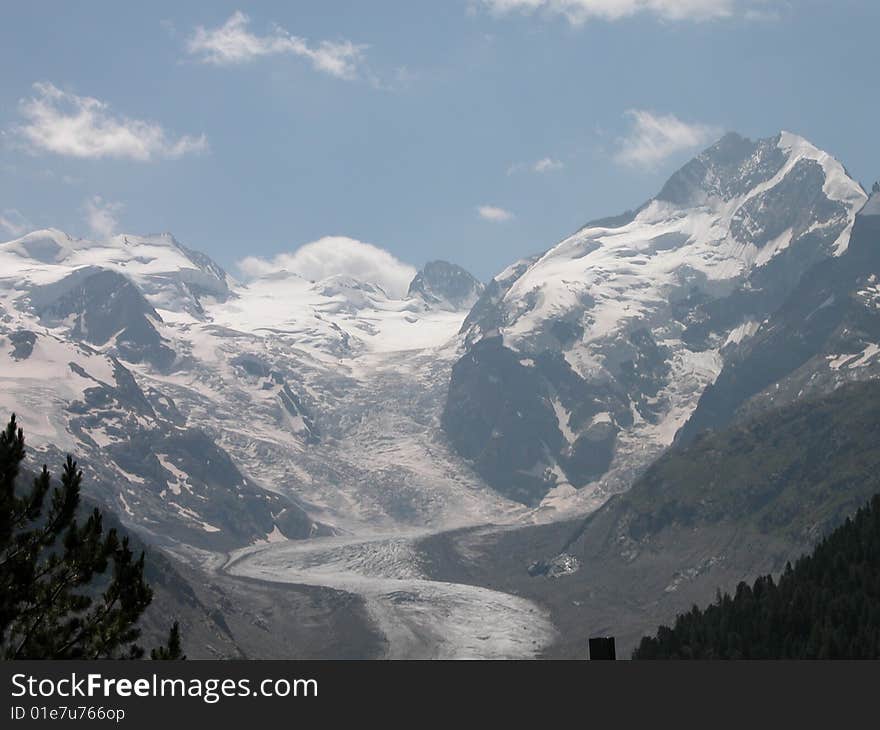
(448, 469)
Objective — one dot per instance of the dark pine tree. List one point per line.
(173, 649)
(825, 607)
(67, 590)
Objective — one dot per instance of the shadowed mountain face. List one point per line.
(735, 504)
(826, 333)
(171, 481)
(582, 363)
(447, 285)
(492, 392)
(100, 306)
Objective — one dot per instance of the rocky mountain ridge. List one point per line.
(582, 363)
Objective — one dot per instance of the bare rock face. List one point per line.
(825, 334)
(100, 305)
(447, 286)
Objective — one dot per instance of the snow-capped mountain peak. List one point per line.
(325, 370)
(45, 246)
(627, 318)
(170, 275)
(733, 209)
(736, 167)
(142, 356)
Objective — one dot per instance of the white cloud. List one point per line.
(81, 126)
(14, 222)
(335, 255)
(233, 43)
(494, 214)
(547, 164)
(102, 216)
(578, 12)
(760, 15)
(653, 138)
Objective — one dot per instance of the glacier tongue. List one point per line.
(215, 415)
(419, 618)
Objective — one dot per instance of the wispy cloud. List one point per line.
(578, 12)
(102, 216)
(14, 222)
(545, 164)
(652, 138)
(763, 15)
(233, 43)
(337, 255)
(81, 126)
(494, 214)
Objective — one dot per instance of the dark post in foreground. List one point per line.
(602, 647)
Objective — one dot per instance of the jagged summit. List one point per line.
(445, 285)
(735, 165)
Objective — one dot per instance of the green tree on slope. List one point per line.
(68, 590)
(825, 607)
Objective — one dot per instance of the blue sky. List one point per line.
(476, 131)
